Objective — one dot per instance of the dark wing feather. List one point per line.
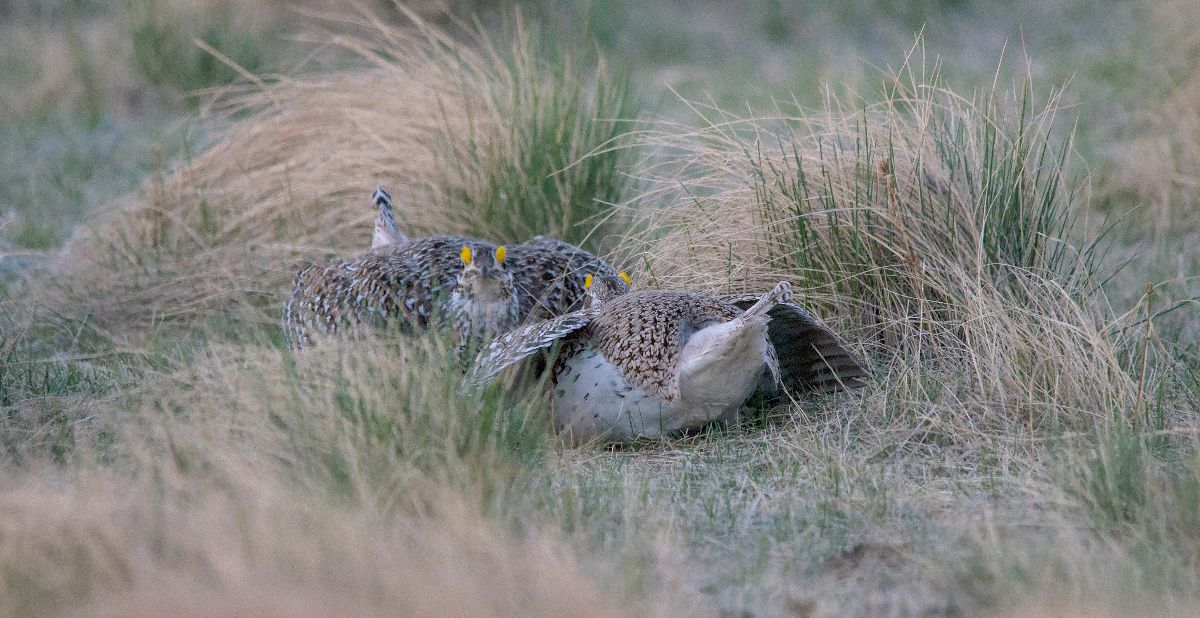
(523, 342)
(811, 358)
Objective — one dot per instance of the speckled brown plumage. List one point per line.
(549, 275)
(811, 358)
(398, 280)
(604, 288)
(484, 301)
(647, 363)
(406, 284)
(642, 333)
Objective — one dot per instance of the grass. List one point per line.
(1028, 443)
(166, 57)
(918, 223)
(558, 165)
(424, 115)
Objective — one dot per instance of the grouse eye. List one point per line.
(465, 254)
(500, 253)
(587, 282)
(625, 276)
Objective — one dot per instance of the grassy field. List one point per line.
(996, 204)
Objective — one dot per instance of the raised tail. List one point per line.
(386, 230)
(811, 358)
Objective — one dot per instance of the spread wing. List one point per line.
(810, 356)
(523, 342)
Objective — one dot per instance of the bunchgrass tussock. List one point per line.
(561, 163)
(939, 232)
(478, 139)
(934, 228)
(1026, 445)
(360, 420)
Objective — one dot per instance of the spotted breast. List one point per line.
(407, 284)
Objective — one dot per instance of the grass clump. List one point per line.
(933, 228)
(560, 163)
(454, 131)
(1023, 448)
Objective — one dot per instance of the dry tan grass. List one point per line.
(288, 181)
(238, 479)
(114, 547)
(354, 478)
(79, 63)
(288, 184)
(70, 68)
(892, 221)
(1151, 181)
(243, 484)
(1160, 166)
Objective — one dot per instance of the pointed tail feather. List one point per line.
(811, 358)
(386, 230)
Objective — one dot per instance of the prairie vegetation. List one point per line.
(1012, 249)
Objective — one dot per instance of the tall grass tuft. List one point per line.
(933, 228)
(562, 162)
(471, 138)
